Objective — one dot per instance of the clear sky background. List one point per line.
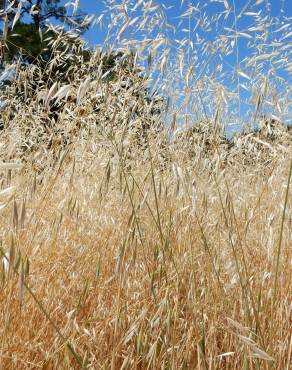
(95, 36)
(275, 14)
(276, 9)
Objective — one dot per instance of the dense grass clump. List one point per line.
(134, 233)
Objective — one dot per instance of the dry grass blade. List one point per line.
(133, 220)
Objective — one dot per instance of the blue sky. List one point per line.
(95, 36)
(280, 9)
(277, 12)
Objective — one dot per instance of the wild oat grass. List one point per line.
(127, 243)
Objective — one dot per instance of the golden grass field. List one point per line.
(146, 269)
(126, 244)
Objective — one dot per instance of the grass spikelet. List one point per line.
(145, 207)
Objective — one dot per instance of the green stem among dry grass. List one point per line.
(127, 245)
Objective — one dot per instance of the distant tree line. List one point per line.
(32, 42)
(28, 35)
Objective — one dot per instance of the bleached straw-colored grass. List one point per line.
(187, 280)
(128, 243)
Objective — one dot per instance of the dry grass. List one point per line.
(129, 245)
(176, 282)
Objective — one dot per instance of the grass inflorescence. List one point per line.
(135, 234)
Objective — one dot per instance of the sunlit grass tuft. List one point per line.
(134, 233)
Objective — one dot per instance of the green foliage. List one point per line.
(25, 41)
(2, 4)
(39, 11)
(30, 39)
(49, 54)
